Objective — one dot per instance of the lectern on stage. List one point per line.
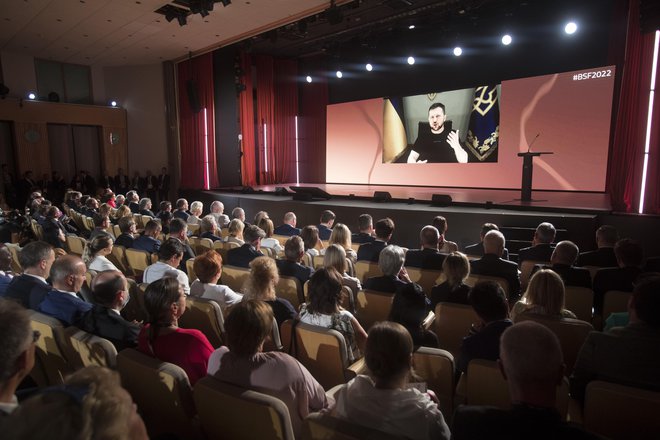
(527, 170)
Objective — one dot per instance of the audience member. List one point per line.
(217, 211)
(101, 225)
(394, 275)
(341, 235)
(132, 199)
(259, 216)
(562, 262)
(477, 249)
(541, 248)
(122, 181)
(244, 363)
(288, 226)
(145, 207)
(148, 241)
(410, 308)
(241, 256)
(544, 296)
(128, 232)
(161, 337)
(492, 264)
(268, 241)
(165, 219)
(208, 268)
(63, 301)
(179, 230)
(444, 246)
(208, 228)
(91, 207)
(164, 206)
(122, 211)
(239, 213)
(310, 237)
(96, 252)
(366, 228)
(290, 266)
(181, 210)
(54, 230)
(606, 238)
(170, 255)
(370, 251)
(335, 257)
(110, 295)
(6, 274)
(428, 257)
(383, 400)
(261, 285)
(235, 231)
(30, 288)
(196, 209)
(325, 224)
(456, 268)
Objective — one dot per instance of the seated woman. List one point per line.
(384, 401)
(244, 364)
(96, 251)
(310, 236)
(235, 231)
(161, 337)
(122, 211)
(335, 257)
(208, 268)
(390, 262)
(457, 268)
(261, 285)
(409, 308)
(324, 310)
(196, 209)
(544, 296)
(341, 235)
(267, 225)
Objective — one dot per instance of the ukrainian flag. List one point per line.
(484, 128)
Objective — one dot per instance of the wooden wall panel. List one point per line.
(114, 156)
(32, 151)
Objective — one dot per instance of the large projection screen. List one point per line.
(569, 114)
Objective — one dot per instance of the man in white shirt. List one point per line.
(169, 259)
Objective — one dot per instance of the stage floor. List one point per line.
(562, 201)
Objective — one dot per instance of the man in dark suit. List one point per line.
(294, 249)
(288, 227)
(122, 182)
(132, 199)
(30, 288)
(325, 224)
(163, 185)
(179, 230)
(144, 207)
(148, 241)
(491, 264)
(63, 301)
(366, 227)
(606, 238)
(209, 228)
(532, 363)
(428, 257)
(394, 276)
(91, 207)
(563, 258)
(629, 255)
(242, 256)
(110, 294)
(128, 232)
(181, 208)
(371, 251)
(541, 249)
(477, 249)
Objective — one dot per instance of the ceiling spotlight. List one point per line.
(113, 103)
(411, 60)
(506, 39)
(369, 67)
(32, 96)
(570, 28)
(412, 26)
(308, 79)
(458, 51)
(339, 74)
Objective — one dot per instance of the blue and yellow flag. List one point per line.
(484, 129)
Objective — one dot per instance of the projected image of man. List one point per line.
(438, 143)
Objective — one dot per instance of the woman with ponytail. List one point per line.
(95, 253)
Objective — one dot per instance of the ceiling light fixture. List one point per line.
(458, 51)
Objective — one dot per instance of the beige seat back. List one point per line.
(84, 349)
(323, 426)
(51, 364)
(134, 310)
(474, 279)
(206, 316)
(615, 301)
(76, 244)
(289, 288)
(580, 300)
(526, 269)
(194, 229)
(366, 269)
(192, 276)
(427, 278)
(281, 239)
(372, 306)
(234, 277)
(436, 367)
(203, 245)
(14, 250)
(138, 261)
(452, 324)
(118, 258)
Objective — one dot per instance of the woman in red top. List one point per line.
(165, 302)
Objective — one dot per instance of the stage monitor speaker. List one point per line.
(440, 200)
(382, 196)
(193, 96)
(302, 197)
(314, 192)
(247, 190)
(281, 191)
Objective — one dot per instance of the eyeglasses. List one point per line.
(36, 334)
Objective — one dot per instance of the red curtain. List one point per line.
(284, 123)
(196, 129)
(311, 130)
(626, 153)
(652, 198)
(246, 115)
(265, 118)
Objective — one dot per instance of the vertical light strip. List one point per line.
(265, 148)
(647, 142)
(297, 168)
(206, 152)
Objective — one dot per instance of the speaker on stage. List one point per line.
(382, 196)
(440, 200)
(281, 191)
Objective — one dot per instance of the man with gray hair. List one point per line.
(492, 264)
(209, 228)
(290, 266)
(217, 211)
(30, 288)
(63, 301)
(145, 207)
(288, 227)
(562, 262)
(428, 257)
(16, 352)
(241, 256)
(532, 363)
(239, 213)
(390, 262)
(541, 248)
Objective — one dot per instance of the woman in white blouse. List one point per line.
(267, 225)
(208, 268)
(96, 251)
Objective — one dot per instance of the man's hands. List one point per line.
(453, 141)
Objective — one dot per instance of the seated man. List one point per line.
(179, 229)
(170, 255)
(288, 227)
(371, 251)
(541, 249)
(91, 207)
(477, 249)
(217, 211)
(164, 206)
(239, 213)
(563, 259)
(492, 264)
(446, 247)
(148, 241)
(532, 363)
(209, 228)
(181, 208)
(606, 238)
(627, 355)
(128, 232)
(145, 207)
(428, 257)
(132, 199)
(101, 225)
(366, 227)
(63, 301)
(325, 225)
(241, 256)
(110, 295)
(489, 302)
(394, 275)
(30, 288)
(294, 249)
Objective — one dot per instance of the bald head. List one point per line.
(108, 286)
(68, 273)
(290, 219)
(566, 252)
(494, 243)
(429, 237)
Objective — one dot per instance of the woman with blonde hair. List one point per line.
(96, 252)
(267, 225)
(335, 257)
(196, 209)
(544, 296)
(261, 285)
(341, 235)
(122, 211)
(457, 269)
(235, 231)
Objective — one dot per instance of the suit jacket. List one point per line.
(362, 237)
(135, 208)
(387, 284)
(164, 182)
(183, 215)
(494, 266)
(478, 249)
(287, 230)
(324, 232)
(63, 306)
(540, 252)
(371, 251)
(484, 344)
(209, 234)
(241, 256)
(125, 240)
(292, 269)
(601, 257)
(572, 276)
(425, 258)
(613, 278)
(27, 290)
(146, 212)
(104, 322)
(4, 283)
(52, 228)
(146, 243)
